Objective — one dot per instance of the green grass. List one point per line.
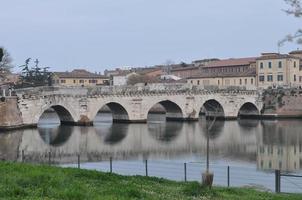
(24, 181)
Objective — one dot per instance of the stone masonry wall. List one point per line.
(282, 103)
(10, 115)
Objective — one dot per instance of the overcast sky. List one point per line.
(104, 34)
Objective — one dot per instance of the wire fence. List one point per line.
(224, 175)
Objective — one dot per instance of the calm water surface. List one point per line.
(252, 148)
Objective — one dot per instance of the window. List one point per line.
(261, 65)
(63, 81)
(198, 82)
(280, 64)
(295, 78)
(295, 64)
(245, 81)
(280, 164)
(81, 81)
(74, 81)
(270, 78)
(252, 81)
(261, 163)
(280, 77)
(300, 79)
(270, 65)
(261, 78)
(240, 81)
(191, 81)
(270, 164)
(218, 82)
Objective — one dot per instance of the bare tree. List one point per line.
(5, 64)
(140, 78)
(295, 10)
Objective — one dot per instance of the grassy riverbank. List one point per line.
(23, 181)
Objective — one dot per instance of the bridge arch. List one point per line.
(212, 108)
(64, 114)
(173, 110)
(248, 110)
(118, 111)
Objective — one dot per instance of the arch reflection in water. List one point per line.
(55, 135)
(216, 130)
(111, 134)
(248, 124)
(165, 131)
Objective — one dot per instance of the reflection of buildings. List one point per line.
(280, 146)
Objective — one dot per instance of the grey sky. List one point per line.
(100, 34)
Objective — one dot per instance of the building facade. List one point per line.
(239, 72)
(278, 70)
(79, 77)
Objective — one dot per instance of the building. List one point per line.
(185, 70)
(229, 72)
(79, 77)
(279, 70)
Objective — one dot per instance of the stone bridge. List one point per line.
(79, 106)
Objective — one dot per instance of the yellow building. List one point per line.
(239, 72)
(278, 70)
(79, 77)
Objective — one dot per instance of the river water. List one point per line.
(252, 148)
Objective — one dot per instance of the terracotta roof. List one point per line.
(78, 73)
(296, 52)
(268, 56)
(251, 72)
(232, 62)
(182, 68)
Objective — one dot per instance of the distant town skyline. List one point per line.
(104, 34)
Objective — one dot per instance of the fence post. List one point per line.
(49, 157)
(79, 161)
(146, 166)
(185, 171)
(22, 156)
(228, 176)
(277, 181)
(110, 164)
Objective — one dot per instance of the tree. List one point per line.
(34, 76)
(295, 10)
(5, 63)
(140, 78)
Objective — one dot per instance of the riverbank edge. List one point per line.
(28, 181)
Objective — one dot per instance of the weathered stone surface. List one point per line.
(10, 115)
(79, 106)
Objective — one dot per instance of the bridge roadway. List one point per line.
(79, 106)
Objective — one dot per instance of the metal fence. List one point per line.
(229, 176)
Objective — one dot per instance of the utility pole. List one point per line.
(207, 176)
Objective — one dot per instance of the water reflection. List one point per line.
(280, 146)
(216, 130)
(165, 131)
(55, 136)
(111, 133)
(265, 144)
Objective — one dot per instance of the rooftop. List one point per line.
(232, 62)
(78, 73)
(250, 72)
